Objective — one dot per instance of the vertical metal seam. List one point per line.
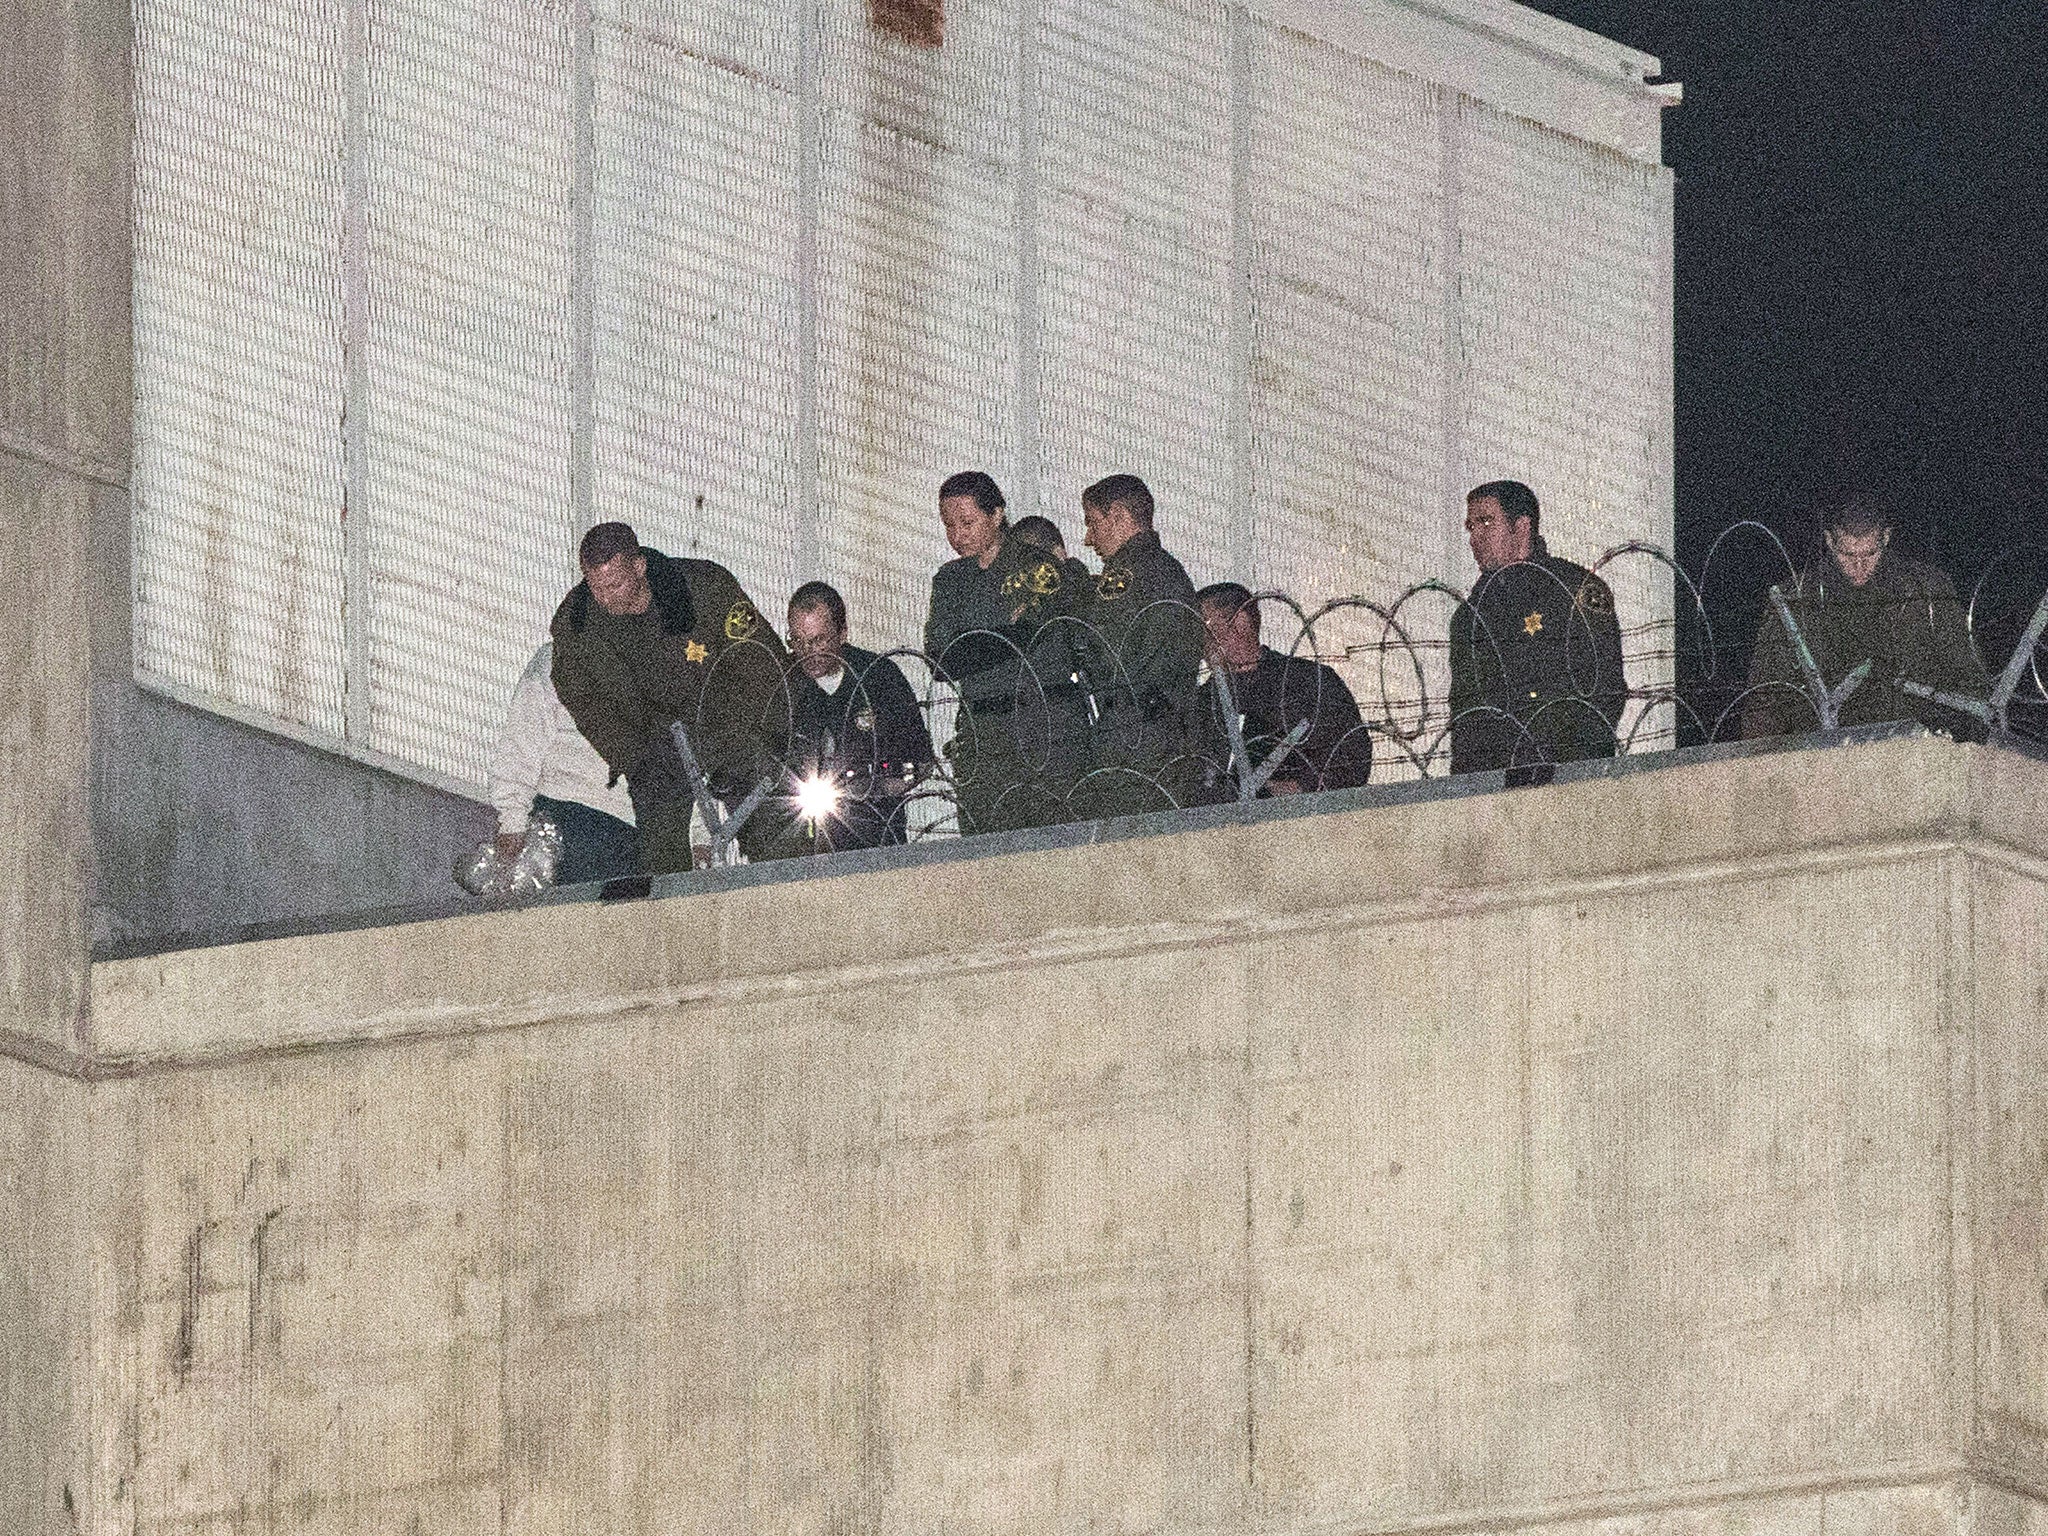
(355, 275)
(808, 539)
(582, 272)
(1450, 141)
(141, 455)
(1238, 541)
(1665, 452)
(1025, 489)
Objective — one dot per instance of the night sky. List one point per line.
(1862, 247)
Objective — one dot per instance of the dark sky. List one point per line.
(1862, 254)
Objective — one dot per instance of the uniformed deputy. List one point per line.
(1536, 668)
(644, 641)
(1140, 649)
(1857, 603)
(1022, 734)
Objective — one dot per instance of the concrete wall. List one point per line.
(64, 410)
(205, 827)
(1651, 1153)
(124, 819)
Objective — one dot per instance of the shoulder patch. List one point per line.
(1593, 596)
(1114, 582)
(1041, 578)
(741, 620)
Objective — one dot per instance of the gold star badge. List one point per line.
(1532, 624)
(694, 652)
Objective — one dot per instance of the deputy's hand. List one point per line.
(659, 778)
(1283, 786)
(510, 844)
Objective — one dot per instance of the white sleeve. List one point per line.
(522, 749)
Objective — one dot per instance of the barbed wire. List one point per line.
(1628, 654)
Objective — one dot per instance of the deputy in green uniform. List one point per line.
(644, 641)
(1140, 646)
(1536, 667)
(1859, 603)
(992, 630)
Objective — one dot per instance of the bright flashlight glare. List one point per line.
(816, 798)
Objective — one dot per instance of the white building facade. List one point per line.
(424, 289)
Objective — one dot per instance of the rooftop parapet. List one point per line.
(1656, 1147)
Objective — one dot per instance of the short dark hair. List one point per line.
(1858, 513)
(1232, 595)
(605, 543)
(979, 484)
(821, 595)
(1516, 500)
(1122, 491)
(1039, 532)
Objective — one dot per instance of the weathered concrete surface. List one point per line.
(64, 413)
(51, 1315)
(65, 399)
(205, 827)
(65, 395)
(1661, 1153)
(44, 724)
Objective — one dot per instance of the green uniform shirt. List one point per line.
(987, 629)
(1140, 637)
(1536, 666)
(701, 654)
(1906, 621)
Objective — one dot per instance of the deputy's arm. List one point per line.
(1955, 653)
(744, 714)
(1777, 686)
(900, 733)
(1161, 648)
(1338, 747)
(593, 687)
(1594, 604)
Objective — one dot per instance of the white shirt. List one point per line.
(540, 752)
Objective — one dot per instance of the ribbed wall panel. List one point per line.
(697, 307)
(964, 96)
(757, 39)
(1564, 327)
(1349, 370)
(239, 470)
(1134, 264)
(915, 294)
(469, 154)
(917, 358)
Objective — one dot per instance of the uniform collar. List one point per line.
(1141, 542)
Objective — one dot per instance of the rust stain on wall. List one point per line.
(921, 23)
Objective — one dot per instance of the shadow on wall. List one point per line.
(203, 827)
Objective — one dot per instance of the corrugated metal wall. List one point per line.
(422, 290)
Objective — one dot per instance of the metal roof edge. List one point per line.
(1504, 21)
(1506, 55)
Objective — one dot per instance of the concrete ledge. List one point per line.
(1656, 1153)
(1180, 880)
